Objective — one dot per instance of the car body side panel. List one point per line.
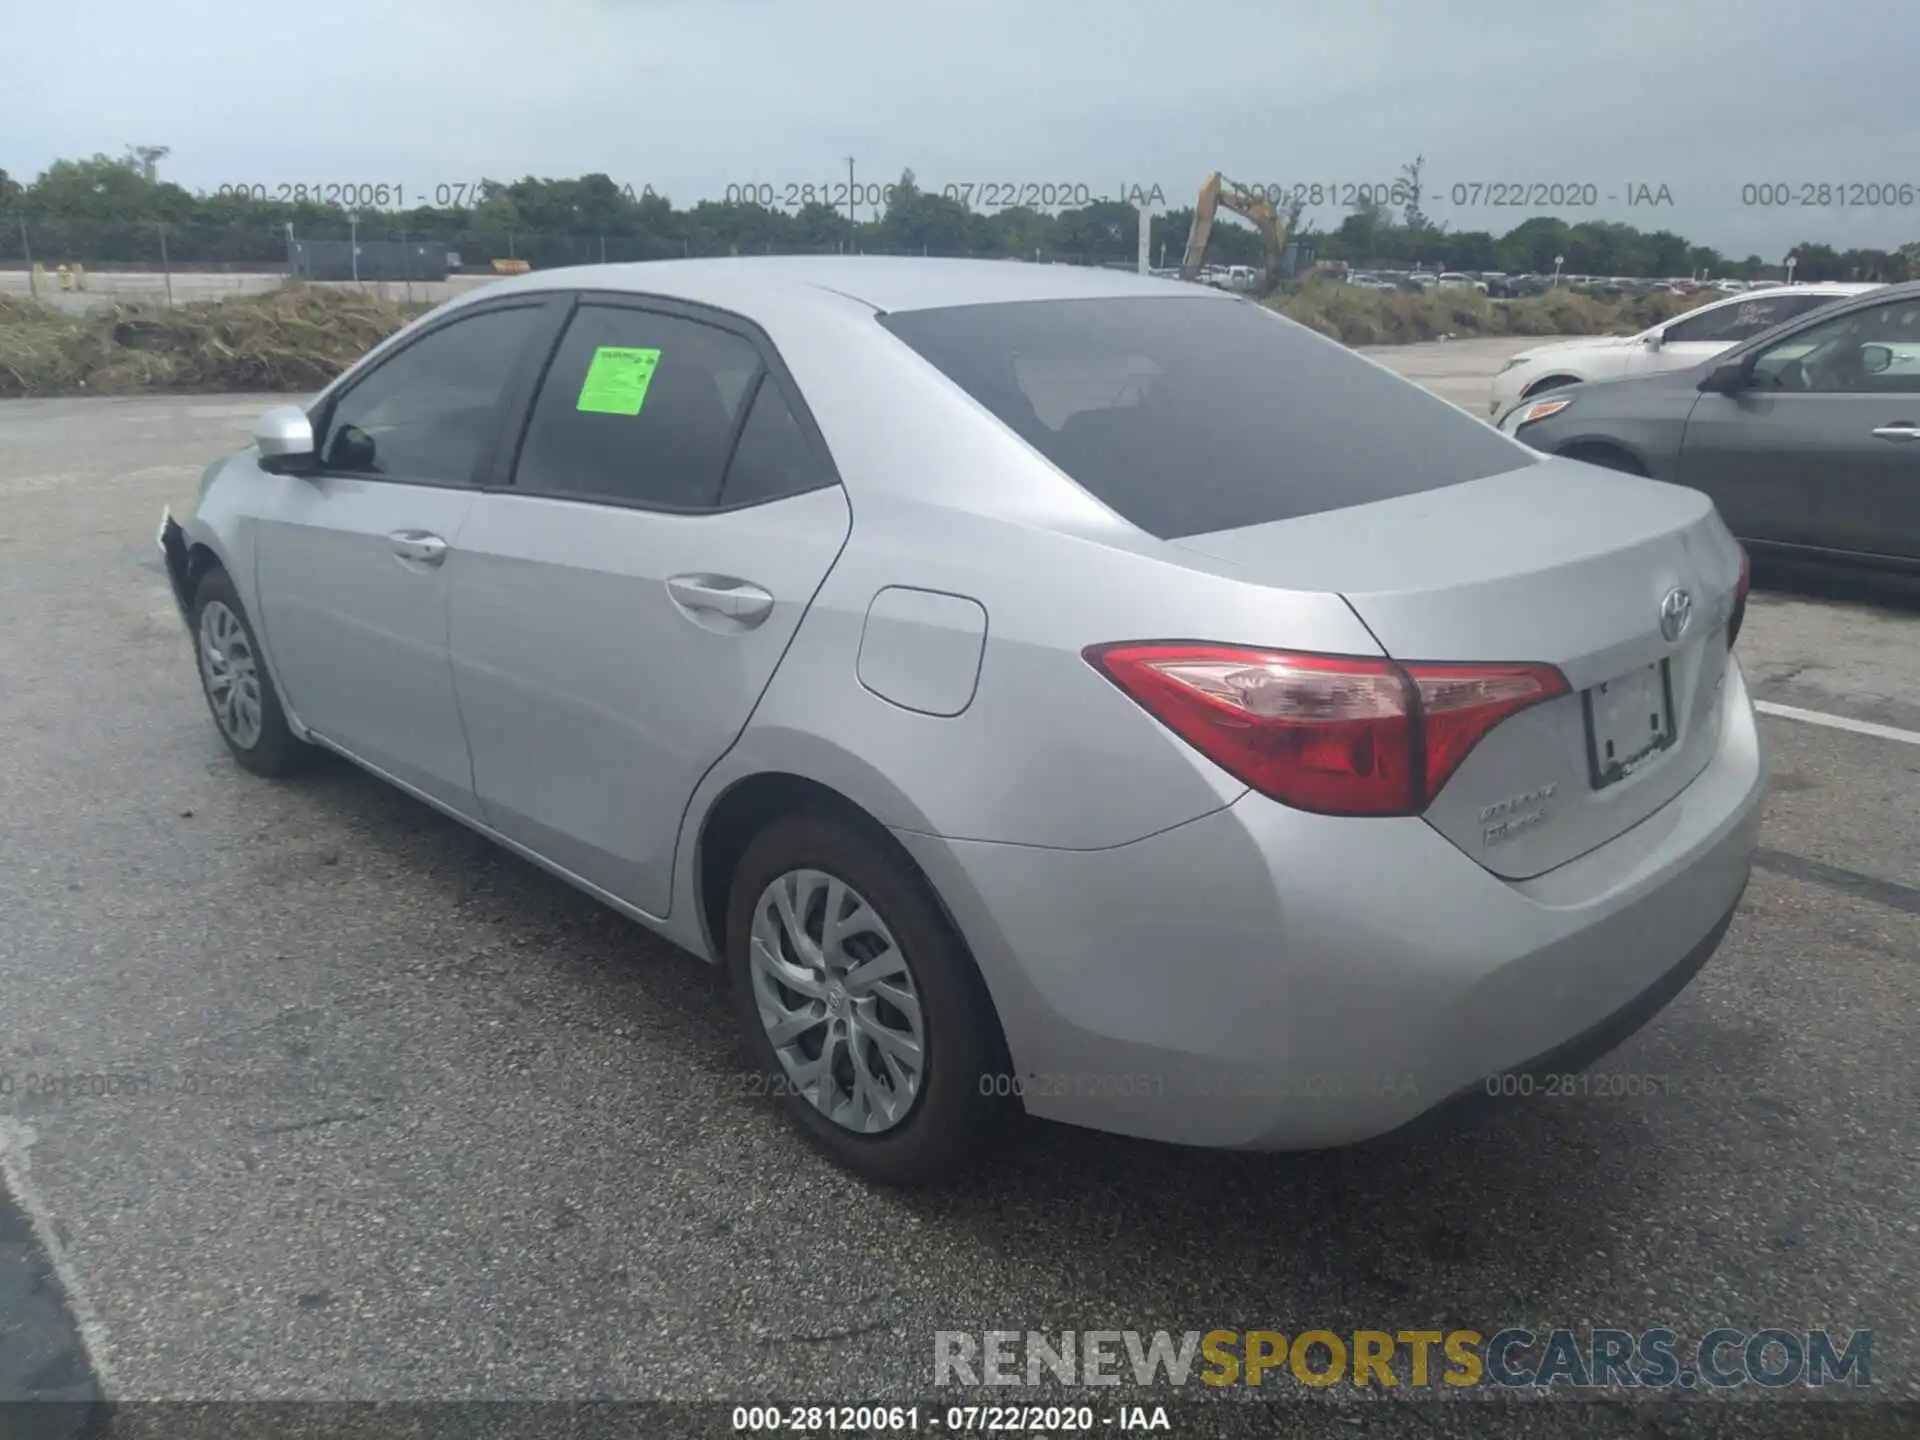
(1807, 469)
(593, 701)
(1646, 419)
(362, 633)
(1048, 752)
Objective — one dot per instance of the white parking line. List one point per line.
(1838, 722)
(16, 1137)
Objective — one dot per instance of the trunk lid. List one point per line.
(1559, 563)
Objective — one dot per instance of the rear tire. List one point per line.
(234, 679)
(841, 1066)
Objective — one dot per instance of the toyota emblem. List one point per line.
(1675, 613)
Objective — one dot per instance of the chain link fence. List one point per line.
(51, 257)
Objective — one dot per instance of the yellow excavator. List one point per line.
(1218, 191)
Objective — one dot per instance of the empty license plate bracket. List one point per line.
(1629, 722)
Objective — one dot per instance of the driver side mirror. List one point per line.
(284, 438)
(1876, 359)
(1655, 340)
(1729, 379)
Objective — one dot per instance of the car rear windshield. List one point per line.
(1191, 415)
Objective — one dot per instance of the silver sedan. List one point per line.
(1039, 688)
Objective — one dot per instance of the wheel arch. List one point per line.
(1606, 452)
(203, 555)
(1555, 381)
(752, 802)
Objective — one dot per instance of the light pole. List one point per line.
(1558, 261)
(850, 219)
(1146, 235)
(353, 243)
(1792, 260)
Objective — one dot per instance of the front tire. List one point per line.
(858, 1004)
(234, 679)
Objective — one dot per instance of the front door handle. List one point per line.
(721, 595)
(419, 546)
(1899, 430)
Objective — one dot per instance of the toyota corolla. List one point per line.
(1036, 687)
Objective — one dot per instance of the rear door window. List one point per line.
(638, 408)
(774, 458)
(1191, 415)
(1731, 324)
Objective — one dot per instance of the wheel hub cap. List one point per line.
(837, 1001)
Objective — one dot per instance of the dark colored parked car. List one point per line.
(1807, 436)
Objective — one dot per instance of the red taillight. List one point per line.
(1334, 734)
(1739, 615)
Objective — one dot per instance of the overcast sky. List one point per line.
(690, 96)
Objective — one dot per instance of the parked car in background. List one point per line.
(1456, 280)
(1700, 334)
(1520, 287)
(1807, 435)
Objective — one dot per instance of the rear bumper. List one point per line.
(172, 541)
(1545, 1074)
(1267, 979)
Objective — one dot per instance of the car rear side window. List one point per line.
(1731, 324)
(774, 458)
(638, 408)
(1190, 415)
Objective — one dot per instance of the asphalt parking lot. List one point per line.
(420, 1122)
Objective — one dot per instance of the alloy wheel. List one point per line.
(837, 1000)
(231, 674)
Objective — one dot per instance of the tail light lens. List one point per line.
(1739, 615)
(1333, 734)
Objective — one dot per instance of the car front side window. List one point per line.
(1875, 351)
(428, 413)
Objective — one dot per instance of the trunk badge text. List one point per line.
(1521, 812)
(1675, 613)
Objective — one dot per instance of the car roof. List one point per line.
(1836, 288)
(887, 283)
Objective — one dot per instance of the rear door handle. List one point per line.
(419, 546)
(721, 595)
(1901, 430)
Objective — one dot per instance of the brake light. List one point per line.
(1739, 614)
(1334, 734)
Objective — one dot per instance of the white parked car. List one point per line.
(1454, 280)
(1687, 339)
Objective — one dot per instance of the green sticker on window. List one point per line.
(617, 381)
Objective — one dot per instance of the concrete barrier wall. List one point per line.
(107, 287)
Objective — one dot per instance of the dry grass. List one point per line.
(1391, 317)
(298, 338)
